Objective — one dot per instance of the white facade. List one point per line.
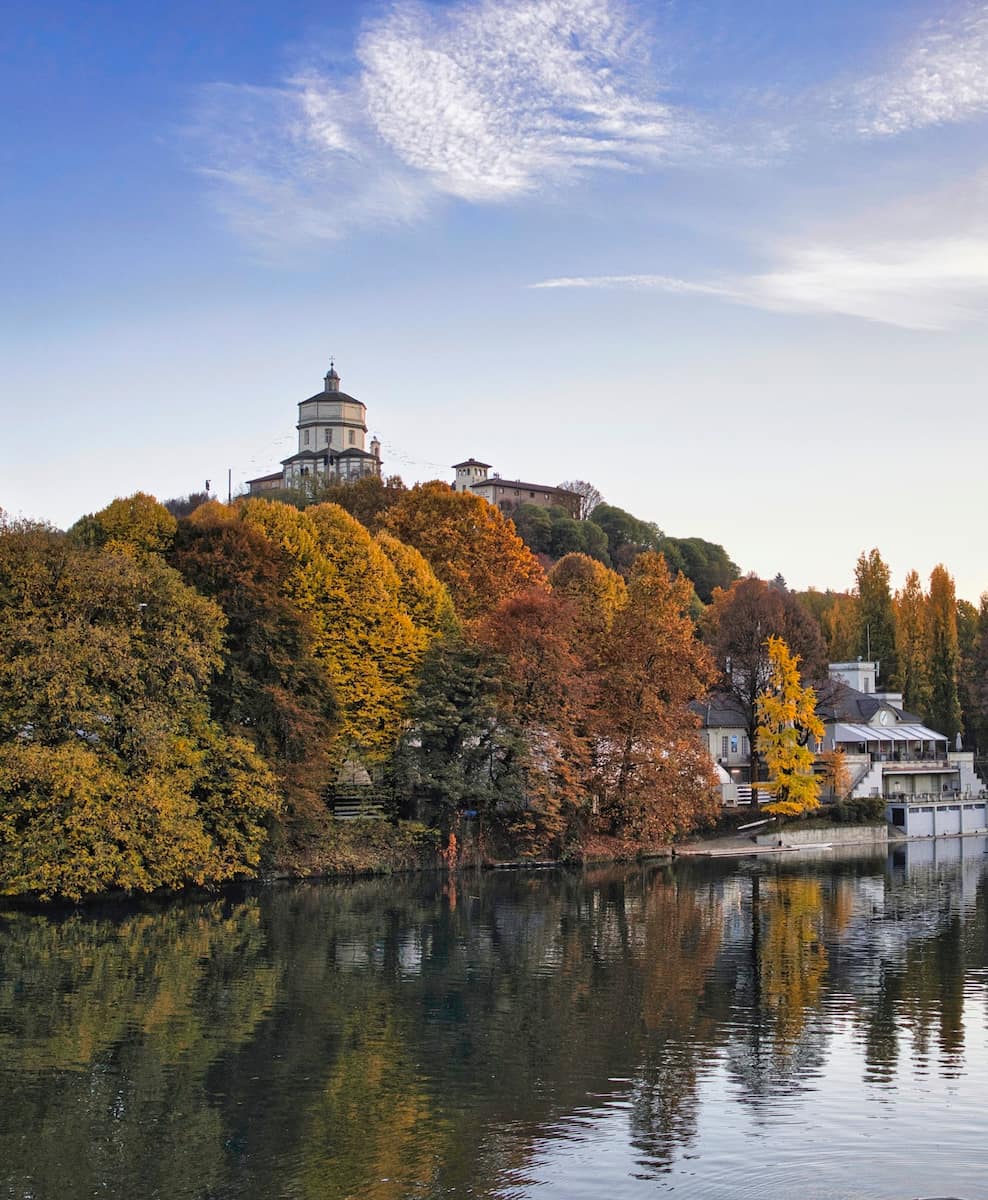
(332, 436)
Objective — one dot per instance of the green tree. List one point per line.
(945, 708)
(627, 536)
(533, 523)
(705, 564)
(912, 645)
(787, 720)
(876, 616)
(458, 752)
(968, 629)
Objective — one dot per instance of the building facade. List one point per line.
(508, 494)
(888, 752)
(332, 434)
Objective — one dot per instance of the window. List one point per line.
(747, 748)
(723, 747)
(734, 743)
(329, 437)
(353, 437)
(306, 438)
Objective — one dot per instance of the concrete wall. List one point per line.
(837, 835)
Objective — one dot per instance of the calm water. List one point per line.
(763, 1029)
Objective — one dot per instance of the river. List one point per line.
(771, 1027)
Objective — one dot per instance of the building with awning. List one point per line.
(928, 788)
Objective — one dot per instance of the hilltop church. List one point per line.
(332, 431)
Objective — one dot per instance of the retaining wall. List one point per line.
(837, 835)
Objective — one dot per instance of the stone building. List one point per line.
(332, 433)
(507, 494)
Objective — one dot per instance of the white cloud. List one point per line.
(482, 101)
(923, 265)
(941, 78)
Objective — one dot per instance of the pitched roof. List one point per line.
(520, 485)
(720, 711)
(470, 462)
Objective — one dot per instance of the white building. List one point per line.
(332, 433)
(928, 788)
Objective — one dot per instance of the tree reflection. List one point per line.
(384, 1039)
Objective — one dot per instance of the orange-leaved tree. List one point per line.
(542, 693)
(655, 779)
(471, 546)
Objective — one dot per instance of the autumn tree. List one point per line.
(137, 521)
(945, 709)
(876, 616)
(543, 692)
(470, 545)
(737, 626)
(342, 579)
(271, 689)
(787, 720)
(594, 591)
(112, 772)
(653, 776)
(837, 615)
(420, 592)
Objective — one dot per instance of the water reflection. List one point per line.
(500, 1034)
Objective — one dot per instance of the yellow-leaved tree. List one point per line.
(423, 596)
(787, 719)
(367, 641)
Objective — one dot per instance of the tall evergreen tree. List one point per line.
(876, 617)
(945, 707)
(912, 645)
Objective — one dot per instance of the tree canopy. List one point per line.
(787, 719)
(470, 545)
(113, 773)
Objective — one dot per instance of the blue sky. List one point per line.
(729, 261)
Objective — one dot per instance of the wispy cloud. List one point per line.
(941, 77)
(482, 101)
(898, 267)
